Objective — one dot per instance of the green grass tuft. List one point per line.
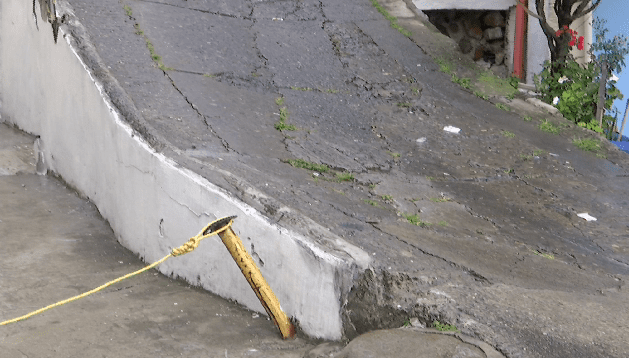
(588, 145)
(300, 163)
(548, 127)
(442, 327)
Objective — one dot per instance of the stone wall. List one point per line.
(480, 34)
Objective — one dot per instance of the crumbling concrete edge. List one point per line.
(96, 140)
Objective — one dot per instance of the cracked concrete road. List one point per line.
(56, 245)
(497, 249)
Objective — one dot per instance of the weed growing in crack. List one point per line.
(527, 118)
(463, 82)
(503, 106)
(300, 163)
(149, 45)
(588, 145)
(208, 75)
(281, 125)
(415, 91)
(404, 104)
(440, 200)
(387, 198)
(392, 19)
(330, 90)
(525, 157)
(344, 177)
(508, 134)
(304, 89)
(444, 65)
(442, 327)
(548, 127)
(443, 223)
(415, 220)
(538, 152)
(372, 203)
(481, 95)
(393, 154)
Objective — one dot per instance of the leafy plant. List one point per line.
(548, 127)
(503, 106)
(387, 197)
(444, 65)
(279, 101)
(415, 220)
(576, 87)
(463, 82)
(440, 200)
(443, 223)
(588, 145)
(442, 327)
(404, 104)
(508, 134)
(527, 118)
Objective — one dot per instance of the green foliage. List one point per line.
(404, 104)
(281, 125)
(508, 134)
(527, 118)
(613, 51)
(279, 101)
(588, 145)
(415, 220)
(442, 327)
(344, 176)
(445, 66)
(372, 203)
(300, 163)
(548, 127)
(463, 82)
(387, 197)
(577, 86)
(503, 106)
(480, 94)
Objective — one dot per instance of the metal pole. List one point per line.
(624, 121)
(600, 110)
(253, 275)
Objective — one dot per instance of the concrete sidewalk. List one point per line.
(321, 126)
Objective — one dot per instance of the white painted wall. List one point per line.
(48, 91)
(463, 4)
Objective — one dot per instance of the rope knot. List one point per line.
(187, 247)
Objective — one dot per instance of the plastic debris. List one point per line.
(586, 216)
(452, 129)
(421, 140)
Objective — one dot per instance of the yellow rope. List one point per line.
(189, 246)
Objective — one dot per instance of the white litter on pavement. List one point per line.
(421, 140)
(586, 216)
(452, 129)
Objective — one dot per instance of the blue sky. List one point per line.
(616, 12)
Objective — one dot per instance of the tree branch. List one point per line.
(518, 3)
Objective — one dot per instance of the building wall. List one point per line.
(463, 4)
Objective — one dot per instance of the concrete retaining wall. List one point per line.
(152, 203)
